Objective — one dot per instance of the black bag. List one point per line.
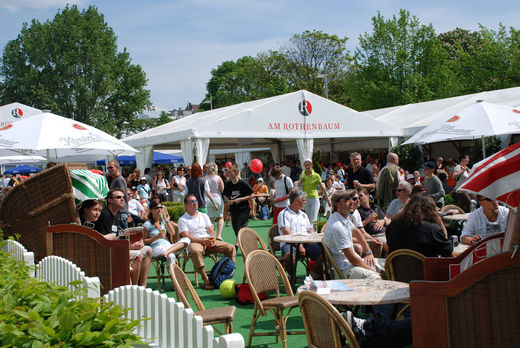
(223, 269)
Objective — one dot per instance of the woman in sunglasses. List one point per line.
(159, 232)
(490, 218)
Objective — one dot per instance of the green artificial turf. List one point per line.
(244, 314)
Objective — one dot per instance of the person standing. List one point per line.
(237, 193)
(461, 173)
(161, 185)
(388, 180)
(117, 180)
(195, 186)
(214, 187)
(178, 185)
(283, 185)
(358, 176)
(310, 180)
(433, 184)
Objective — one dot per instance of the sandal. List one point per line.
(208, 287)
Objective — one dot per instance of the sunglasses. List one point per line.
(487, 199)
(158, 207)
(110, 167)
(193, 201)
(399, 190)
(354, 199)
(117, 197)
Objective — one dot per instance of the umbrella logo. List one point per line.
(6, 127)
(516, 110)
(305, 108)
(453, 119)
(17, 113)
(78, 126)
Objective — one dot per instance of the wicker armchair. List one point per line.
(249, 240)
(218, 315)
(44, 199)
(478, 308)
(323, 323)
(261, 271)
(405, 265)
(92, 252)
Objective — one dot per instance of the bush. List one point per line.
(410, 156)
(175, 210)
(39, 314)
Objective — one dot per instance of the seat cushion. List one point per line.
(283, 302)
(215, 314)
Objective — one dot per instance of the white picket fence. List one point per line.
(18, 251)
(171, 325)
(56, 269)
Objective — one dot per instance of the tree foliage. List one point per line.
(71, 66)
(400, 62)
(410, 156)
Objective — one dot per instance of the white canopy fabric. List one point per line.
(53, 136)
(10, 113)
(262, 123)
(413, 117)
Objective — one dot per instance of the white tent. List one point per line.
(413, 117)
(16, 111)
(299, 116)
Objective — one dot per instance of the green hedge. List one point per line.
(39, 314)
(175, 210)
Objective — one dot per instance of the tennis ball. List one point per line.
(227, 288)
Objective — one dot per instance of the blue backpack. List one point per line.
(223, 269)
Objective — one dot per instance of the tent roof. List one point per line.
(413, 117)
(264, 121)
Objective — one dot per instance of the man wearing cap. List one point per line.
(310, 180)
(339, 235)
(433, 184)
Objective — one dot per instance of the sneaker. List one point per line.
(356, 324)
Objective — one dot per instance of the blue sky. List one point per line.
(177, 43)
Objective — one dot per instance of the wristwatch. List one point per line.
(369, 252)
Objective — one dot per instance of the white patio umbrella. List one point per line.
(53, 137)
(497, 177)
(476, 121)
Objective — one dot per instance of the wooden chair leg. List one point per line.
(256, 313)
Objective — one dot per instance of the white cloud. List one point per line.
(16, 5)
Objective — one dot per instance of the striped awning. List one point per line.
(88, 185)
(497, 177)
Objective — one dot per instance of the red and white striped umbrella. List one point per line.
(497, 177)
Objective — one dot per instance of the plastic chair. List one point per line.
(323, 323)
(261, 271)
(220, 315)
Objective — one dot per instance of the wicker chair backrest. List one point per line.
(263, 270)
(249, 240)
(181, 283)
(273, 232)
(405, 265)
(323, 323)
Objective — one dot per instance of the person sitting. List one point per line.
(338, 237)
(372, 216)
(111, 224)
(261, 193)
(293, 220)
(419, 227)
(155, 231)
(198, 228)
(135, 208)
(404, 190)
(488, 219)
(89, 212)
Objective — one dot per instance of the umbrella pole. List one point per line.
(483, 148)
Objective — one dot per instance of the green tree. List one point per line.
(492, 145)
(71, 66)
(400, 62)
(410, 156)
(310, 58)
(244, 80)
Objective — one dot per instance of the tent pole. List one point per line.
(483, 148)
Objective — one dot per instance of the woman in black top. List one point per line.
(419, 227)
(195, 186)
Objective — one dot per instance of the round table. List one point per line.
(456, 217)
(368, 292)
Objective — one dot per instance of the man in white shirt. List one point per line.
(490, 218)
(293, 220)
(198, 228)
(338, 237)
(283, 185)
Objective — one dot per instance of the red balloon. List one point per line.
(256, 165)
(228, 164)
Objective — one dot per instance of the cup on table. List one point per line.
(315, 227)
